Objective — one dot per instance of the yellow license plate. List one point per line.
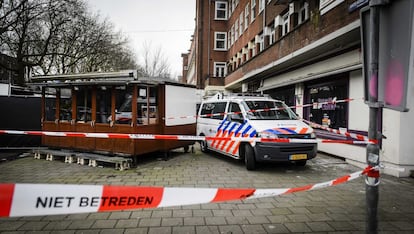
(298, 156)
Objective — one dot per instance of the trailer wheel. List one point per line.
(186, 149)
(249, 158)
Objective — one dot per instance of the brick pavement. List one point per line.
(334, 209)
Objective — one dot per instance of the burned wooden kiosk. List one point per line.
(116, 102)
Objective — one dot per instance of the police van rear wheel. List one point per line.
(249, 158)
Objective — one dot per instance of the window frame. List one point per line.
(241, 22)
(252, 10)
(246, 16)
(304, 7)
(272, 38)
(224, 41)
(232, 35)
(236, 29)
(285, 24)
(217, 9)
(327, 5)
(222, 66)
(261, 42)
(229, 35)
(261, 5)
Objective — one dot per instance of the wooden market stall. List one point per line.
(116, 102)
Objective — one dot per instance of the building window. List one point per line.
(285, 24)
(220, 39)
(232, 35)
(327, 5)
(253, 10)
(261, 42)
(246, 16)
(220, 69)
(236, 30)
(324, 110)
(246, 53)
(303, 12)
(272, 38)
(261, 5)
(221, 10)
(285, 94)
(253, 48)
(229, 39)
(241, 24)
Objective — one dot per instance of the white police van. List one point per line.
(241, 115)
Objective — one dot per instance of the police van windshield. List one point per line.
(268, 110)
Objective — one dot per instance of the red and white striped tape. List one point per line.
(336, 131)
(18, 200)
(324, 103)
(179, 137)
(261, 110)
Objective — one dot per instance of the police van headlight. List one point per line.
(312, 135)
(267, 135)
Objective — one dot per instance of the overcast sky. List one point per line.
(168, 24)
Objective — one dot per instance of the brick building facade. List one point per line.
(299, 51)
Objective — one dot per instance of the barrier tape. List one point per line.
(360, 139)
(339, 132)
(261, 110)
(180, 137)
(18, 200)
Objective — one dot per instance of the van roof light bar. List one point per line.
(247, 95)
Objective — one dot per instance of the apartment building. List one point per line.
(301, 52)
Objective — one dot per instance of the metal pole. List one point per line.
(372, 156)
(10, 79)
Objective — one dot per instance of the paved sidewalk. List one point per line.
(333, 209)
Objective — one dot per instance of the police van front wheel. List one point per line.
(301, 163)
(203, 146)
(249, 158)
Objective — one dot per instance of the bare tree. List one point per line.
(108, 50)
(30, 38)
(155, 64)
(60, 36)
(9, 13)
(60, 52)
(89, 44)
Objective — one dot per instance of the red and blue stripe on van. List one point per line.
(288, 131)
(230, 129)
(234, 129)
